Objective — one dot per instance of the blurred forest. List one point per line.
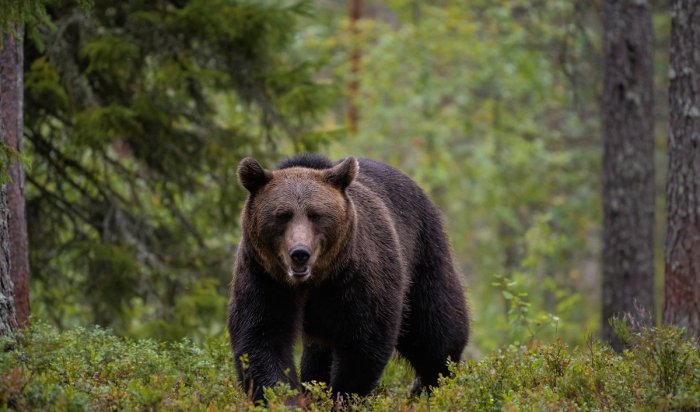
(137, 113)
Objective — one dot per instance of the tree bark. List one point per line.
(11, 126)
(355, 62)
(628, 164)
(682, 254)
(8, 319)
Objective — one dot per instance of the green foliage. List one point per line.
(93, 369)
(42, 81)
(484, 103)
(555, 377)
(136, 116)
(96, 370)
(19, 12)
(197, 313)
(523, 326)
(32, 13)
(138, 112)
(8, 155)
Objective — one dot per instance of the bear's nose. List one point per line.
(300, 254)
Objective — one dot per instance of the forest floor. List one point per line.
(92, 369)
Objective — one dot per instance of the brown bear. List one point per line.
(353, 257)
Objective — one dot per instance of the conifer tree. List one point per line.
(137, 113)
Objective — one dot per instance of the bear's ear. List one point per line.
(252, 175)
(342, 174)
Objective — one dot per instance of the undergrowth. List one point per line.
(92, 369)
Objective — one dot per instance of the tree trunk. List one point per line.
(682, 257)
(355, 61)
(8, 319)
(628, 164)
(11, 129)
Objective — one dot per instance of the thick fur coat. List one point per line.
(351, 256)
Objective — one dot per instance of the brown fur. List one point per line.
(376, 274)
(289, 191)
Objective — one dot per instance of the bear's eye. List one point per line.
(285, 216)
(314, 216)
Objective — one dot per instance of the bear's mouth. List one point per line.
(299, 273)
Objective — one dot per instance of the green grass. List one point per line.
(92, 369)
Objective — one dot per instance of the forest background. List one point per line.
(512, 115)
(136, 115)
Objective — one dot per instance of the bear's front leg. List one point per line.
(367, 318)
(316, 363)
(357, 368)
(262, 319)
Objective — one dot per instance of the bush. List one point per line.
(93, 369)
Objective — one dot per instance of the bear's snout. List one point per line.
(300, 254)
(300, 265)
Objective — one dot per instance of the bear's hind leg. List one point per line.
(428, 342)
(435, 324)
(428, 356)
(316, 364)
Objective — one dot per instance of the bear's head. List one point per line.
(298, 220)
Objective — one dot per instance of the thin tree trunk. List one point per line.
(11, 126)
(8, 320)
(355, 62)
(628, 163)
(682, 257)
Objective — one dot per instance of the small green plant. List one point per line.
(524, 323)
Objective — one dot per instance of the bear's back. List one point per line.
(392, 185)
(404, 198)
(310, 160)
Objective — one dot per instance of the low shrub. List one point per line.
(92, 369)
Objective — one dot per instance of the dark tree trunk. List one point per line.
(682, 284)
(11, 126)
(628, 163)
(8, 320)
(355, 61)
